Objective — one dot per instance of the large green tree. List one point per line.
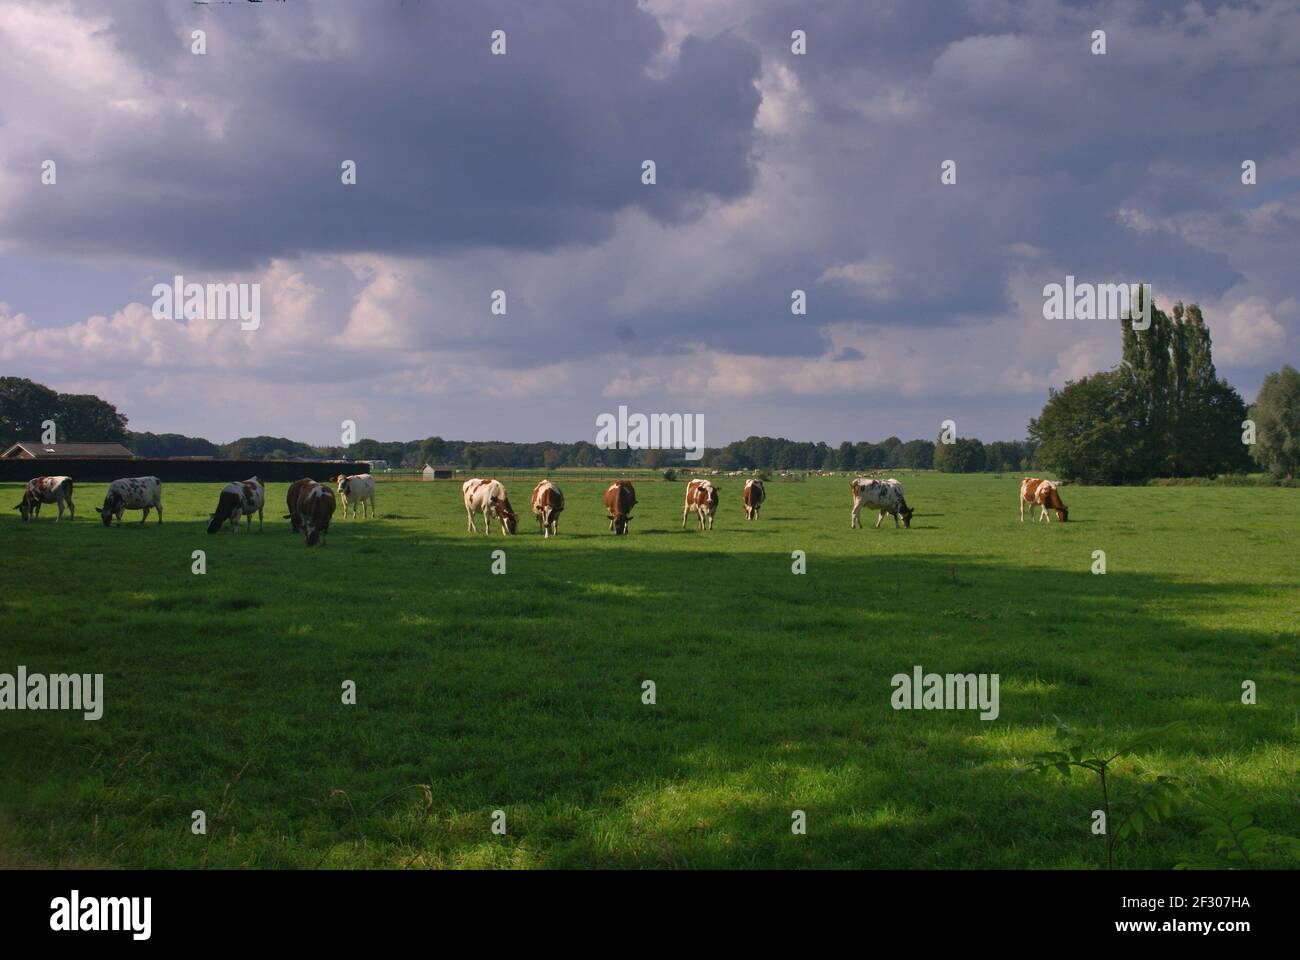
(1164, 413)
(1277, 423)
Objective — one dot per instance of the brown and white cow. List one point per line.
(883, 495)
(311, 507)
(753, 495)
(1045, 495)
(488, 497)
(701, 499)
(46, 490)
(239, 498)
(132, 493)
(620, 498)
(358, 488)
(548, 504)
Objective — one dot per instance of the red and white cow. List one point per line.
(548, 504)
(239, 498)
(753, 495)
(488, 497)
(311, 507)
(358, 488)
(1045, 495)
(132, 493)
(701, 499)
(46, 490)
(883, 495)
(620, 498)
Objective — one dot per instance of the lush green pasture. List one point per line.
(523, 692)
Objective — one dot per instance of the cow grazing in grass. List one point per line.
(620, 498)
(132, 493)
(239, 498)
(1045, 495)
(701, 499)
(311, 507)
(753, 495)
(358, 488)
(291, 498)
(883, 495)
(488, 497)
(46, 490)
(548, 504)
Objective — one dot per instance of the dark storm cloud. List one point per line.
(455, 148)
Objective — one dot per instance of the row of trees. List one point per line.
(25, 406)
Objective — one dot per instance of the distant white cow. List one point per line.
(46, 490)
(358, 488)
(132, 493)
(239, 498)
(488, 497)
(883, 495)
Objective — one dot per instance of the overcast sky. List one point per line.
(523, 172)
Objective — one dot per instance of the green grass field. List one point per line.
(522, 692)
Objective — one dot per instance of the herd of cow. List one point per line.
(311, 504)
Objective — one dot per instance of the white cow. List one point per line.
(883, 495)
(701, 499)
(239, 498)
(132, 493)
(547, 504)
(488, 497)
(358, 488)
(46, 490)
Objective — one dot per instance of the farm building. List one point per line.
(436, 473)
(34, 450)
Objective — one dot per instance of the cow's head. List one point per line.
(507, 516)
(905, 512)
(1062, 512)
(620, 522)
(109, 508)
(24, 506)
(215, 522)
(312, 533)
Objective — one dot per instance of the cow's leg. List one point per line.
(158, 507)
(144, 514)
(879, 518)
(1022, 509)
(855, 520)
(60, 516)
(685, 510)
(259, 520)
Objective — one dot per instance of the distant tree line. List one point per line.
(78, 418)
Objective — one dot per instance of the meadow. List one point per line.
(523, 692)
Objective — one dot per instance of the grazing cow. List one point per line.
(548, 504)
(753, 495)
(358, 488)
(132, 493)
(291, 498)
(488, 497)
(620, 498)
(883, 495)
(702, 499)
(239, 498)
(46, 490)
(1044, 494)
(311, 506)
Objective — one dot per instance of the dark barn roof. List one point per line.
(34, 450)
